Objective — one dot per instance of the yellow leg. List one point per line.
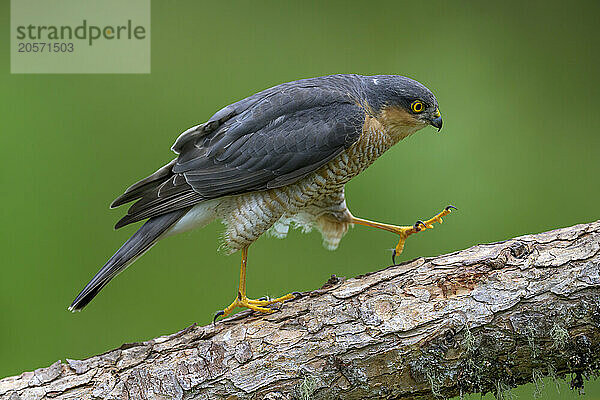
(404, 231)
(242, 301)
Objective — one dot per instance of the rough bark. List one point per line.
(483, 319)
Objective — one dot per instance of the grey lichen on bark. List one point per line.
(484, 319)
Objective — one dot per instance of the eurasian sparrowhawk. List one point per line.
(279, 157)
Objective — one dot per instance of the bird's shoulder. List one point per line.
(326, 96)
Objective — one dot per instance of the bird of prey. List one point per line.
(279, 157)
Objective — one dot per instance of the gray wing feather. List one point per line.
(134, 191)
(269, 140)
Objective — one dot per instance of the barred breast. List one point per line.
(250, 215)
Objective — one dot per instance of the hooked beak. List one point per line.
(436, 121)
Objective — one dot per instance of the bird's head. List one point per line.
(402, 104)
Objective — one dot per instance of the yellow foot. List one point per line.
(255, 305)
(406, 231)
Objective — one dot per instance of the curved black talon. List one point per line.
(394, 257)
(264, 298)
(418, 224)
(217, 315)
(297, 295)
(448, 208)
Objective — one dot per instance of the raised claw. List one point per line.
(418, 224)
(448, 208)
(217, 315)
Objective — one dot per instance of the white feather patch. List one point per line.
(200, 215)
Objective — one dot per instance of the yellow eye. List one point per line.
(417, 106)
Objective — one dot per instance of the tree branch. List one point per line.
(480, 320)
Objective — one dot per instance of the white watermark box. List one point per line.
(80, 36)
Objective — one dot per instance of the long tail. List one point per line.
(134, 247)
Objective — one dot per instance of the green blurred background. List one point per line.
(516, 83)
